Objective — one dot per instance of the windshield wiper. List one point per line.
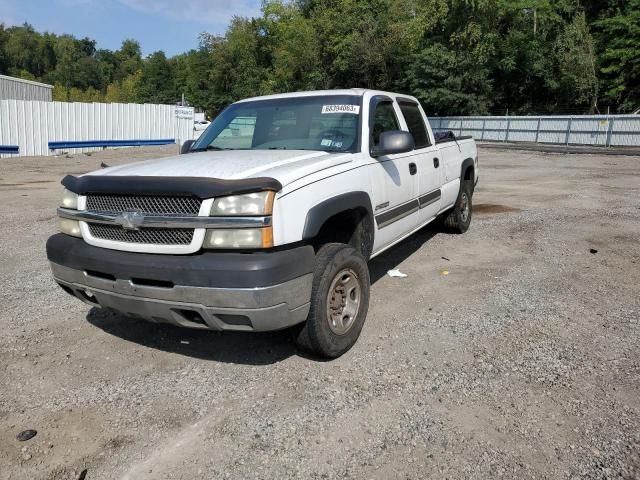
(209, 147)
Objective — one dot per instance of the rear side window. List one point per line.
(413, 117)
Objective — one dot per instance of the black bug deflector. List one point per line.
(184, 186)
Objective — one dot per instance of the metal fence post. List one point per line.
(566, 142)
(538, 130)
(609, 132)
(506, 137)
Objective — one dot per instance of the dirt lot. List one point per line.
(522, 362)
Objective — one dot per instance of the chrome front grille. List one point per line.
(146, 204)
(156, 236)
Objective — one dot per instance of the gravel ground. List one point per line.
(521, 362)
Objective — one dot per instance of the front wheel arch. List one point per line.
(345, 218)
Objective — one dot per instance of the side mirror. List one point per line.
(395, 141)
(186, 147)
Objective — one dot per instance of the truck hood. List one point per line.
(285, 166)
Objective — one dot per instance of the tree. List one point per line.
(4, 37)
(124, 91)
(21, 50)
(156, 81)
(575, 52)
(192, 71)
(358, 40)
(457, 56)
(240, 63)
(620, 67)
(293, 50)
(448, 83)
(128, 59)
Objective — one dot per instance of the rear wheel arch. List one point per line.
(467, 172)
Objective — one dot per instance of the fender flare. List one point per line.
(323, 211)
(466, 164)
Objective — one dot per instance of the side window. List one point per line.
(413, 117)
(238, 133)
(384, 120)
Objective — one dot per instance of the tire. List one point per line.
(458, 219)
(335, 321)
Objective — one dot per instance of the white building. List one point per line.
(18, 89)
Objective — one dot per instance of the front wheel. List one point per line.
(339, 302)
(458, 219)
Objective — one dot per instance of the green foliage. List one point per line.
(124, 91)
(448, 82)
(575, 53)
(191, 71)
(156, 83)
(74, 94)
(456, 56)
(292, 48)
(240, 63)
(620, 57)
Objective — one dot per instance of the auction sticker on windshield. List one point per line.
(355, 109)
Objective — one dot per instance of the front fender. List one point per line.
(323, 211)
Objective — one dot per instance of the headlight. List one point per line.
(259, 203)
(70, 227)
(239, 238)
(69, 200)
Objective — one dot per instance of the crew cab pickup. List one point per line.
(267, 220)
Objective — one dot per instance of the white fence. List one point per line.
(31, 125)
(596, 130)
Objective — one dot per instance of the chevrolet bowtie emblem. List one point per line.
(131, 220)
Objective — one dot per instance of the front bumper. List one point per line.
(258, 291)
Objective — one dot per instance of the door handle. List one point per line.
(436, 162)
(413, 169)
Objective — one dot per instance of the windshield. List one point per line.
(328, 123)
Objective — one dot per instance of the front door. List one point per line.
(395, 178)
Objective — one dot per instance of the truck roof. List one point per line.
(315, 93)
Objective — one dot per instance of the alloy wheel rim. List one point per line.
(464, 207)
(343, 301)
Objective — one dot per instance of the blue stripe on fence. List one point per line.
(109, 143)
(9, 149)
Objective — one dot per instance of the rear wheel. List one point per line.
(339, 302)
(458, 219)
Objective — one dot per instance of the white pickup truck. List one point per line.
(268, 219)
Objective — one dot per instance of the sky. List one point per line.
(169, 25)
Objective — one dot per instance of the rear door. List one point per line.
(394, 177)
(426, 158)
